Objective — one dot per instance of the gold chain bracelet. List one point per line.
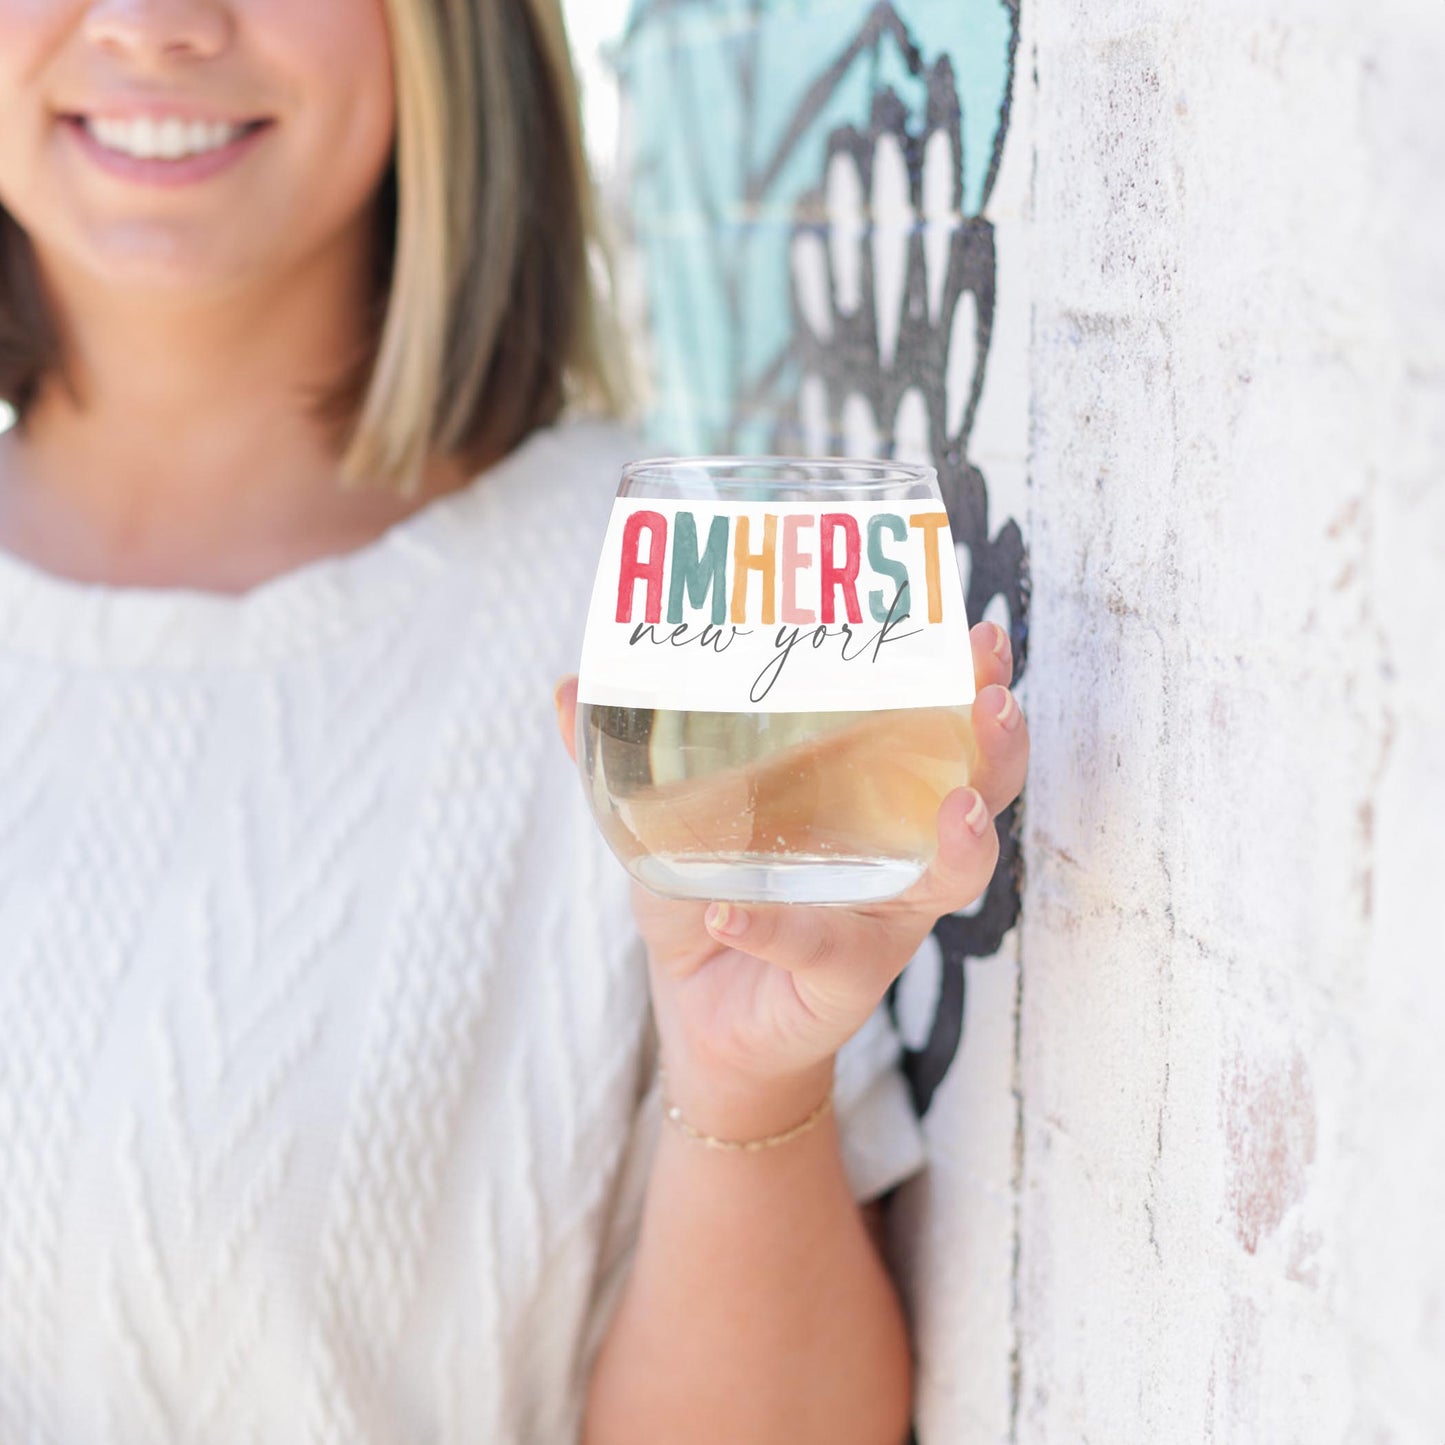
(745, 1146)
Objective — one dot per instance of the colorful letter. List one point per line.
(879, 602)
(698, 571)
(793, 562)
(932, 523)
(745, 562)
(634, 569)
(833, 575)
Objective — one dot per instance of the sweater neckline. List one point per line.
(48, 617)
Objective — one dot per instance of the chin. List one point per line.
(164, 259)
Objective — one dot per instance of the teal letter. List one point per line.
(878, 602)
(698, 571)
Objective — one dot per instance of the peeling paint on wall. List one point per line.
(1269, 1129)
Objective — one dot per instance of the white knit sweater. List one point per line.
(325, 1050)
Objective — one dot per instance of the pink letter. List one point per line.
(793, 560)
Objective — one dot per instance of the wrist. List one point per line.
(746, 1108)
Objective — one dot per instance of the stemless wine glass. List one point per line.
(776, 684)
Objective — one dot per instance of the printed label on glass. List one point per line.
(776, 607)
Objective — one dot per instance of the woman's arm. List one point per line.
(758, 1309)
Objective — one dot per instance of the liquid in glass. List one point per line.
(772, 807)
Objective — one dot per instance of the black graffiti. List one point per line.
(848, 361)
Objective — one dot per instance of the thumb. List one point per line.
(564, 698)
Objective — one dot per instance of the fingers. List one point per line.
(1001, 733)
(967, 855)
(998, 725)
(564, 698)
(848, 954)
(992, 656)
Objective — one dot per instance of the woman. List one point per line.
(329, 1105)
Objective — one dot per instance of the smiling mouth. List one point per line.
(164, 138)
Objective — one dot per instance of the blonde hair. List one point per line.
(491, 309)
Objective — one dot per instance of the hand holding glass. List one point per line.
(777, 683)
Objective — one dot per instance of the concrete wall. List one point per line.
(1232, 1217)
(1188, 1178)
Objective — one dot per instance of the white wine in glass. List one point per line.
(777, 687)
(821, 807)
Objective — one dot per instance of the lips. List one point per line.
(175, 149)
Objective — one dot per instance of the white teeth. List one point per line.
(170, 139)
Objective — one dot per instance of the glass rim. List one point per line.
(862, 473)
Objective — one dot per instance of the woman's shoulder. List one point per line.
(594, 441)
(546, 503)
(519, 544)
(578, 461)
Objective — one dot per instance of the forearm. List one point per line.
(757, 1308)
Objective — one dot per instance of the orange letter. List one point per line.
(932, 523)
(745, 562)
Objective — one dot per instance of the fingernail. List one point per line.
(1007, 714)
(1000, 642)
(725, 919)
(559, 701)
(977, 815)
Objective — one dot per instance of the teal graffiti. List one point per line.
(733, 104)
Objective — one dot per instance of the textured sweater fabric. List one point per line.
(327, 1089)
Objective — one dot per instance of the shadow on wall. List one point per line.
(807, 187)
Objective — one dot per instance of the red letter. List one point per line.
(834, 576)
(649, 571)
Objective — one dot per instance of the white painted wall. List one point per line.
(1222, 1217)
